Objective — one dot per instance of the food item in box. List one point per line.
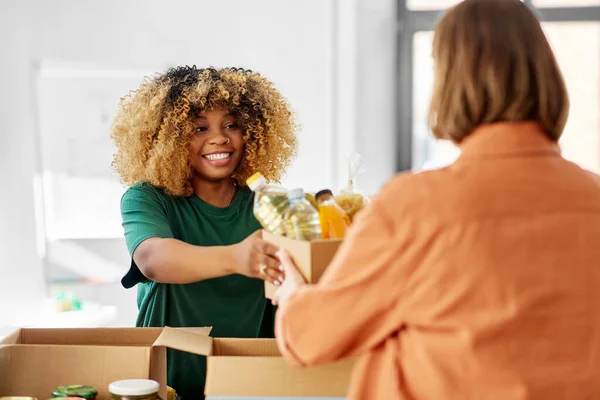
(171, 393)
(138, 389)
(311, 198)
(270, 204)
(302, 219)
(334, 221)
(79, 391)
(351, 203)
(349, 198)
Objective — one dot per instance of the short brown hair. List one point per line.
(492, 64)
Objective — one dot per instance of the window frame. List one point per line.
(409, 22)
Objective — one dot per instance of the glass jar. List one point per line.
(17, 398)
(78, 391)
(134, 389)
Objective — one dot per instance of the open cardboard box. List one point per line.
(311, 258)
(34, 361)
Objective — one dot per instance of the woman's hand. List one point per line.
(256, 258)
(293, 279)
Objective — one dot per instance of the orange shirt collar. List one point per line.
(506, 139)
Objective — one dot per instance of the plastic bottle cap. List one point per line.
(323, 192)
(134, 387)
(255, 181)
(254, 177)
(296, 194)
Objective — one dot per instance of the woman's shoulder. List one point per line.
(408, 185)
(145, 191)
(415, 193)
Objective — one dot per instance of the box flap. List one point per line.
(91, 336)
(191, 341)
(12, 338)
(4, 367)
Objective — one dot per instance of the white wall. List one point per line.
(333, 60)
(270, 36)
(376, 86)
(21, 283)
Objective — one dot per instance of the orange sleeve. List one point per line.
(354, 306)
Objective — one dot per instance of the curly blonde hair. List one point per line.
(154, 126)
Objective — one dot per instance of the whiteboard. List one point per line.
(81, 194)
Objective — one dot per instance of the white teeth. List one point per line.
(219, 156)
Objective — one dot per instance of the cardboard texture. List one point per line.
(254, 367)
(34, 361)
(311, 258)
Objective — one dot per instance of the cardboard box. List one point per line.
(254, 367)
(311, 258)
(34, 361)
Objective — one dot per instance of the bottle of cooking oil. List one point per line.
(270, 203)
(302, 219)
(334, 221)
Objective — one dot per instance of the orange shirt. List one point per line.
(477, 281)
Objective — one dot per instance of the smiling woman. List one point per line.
(186, 142)
(156, 123)
(216, 149)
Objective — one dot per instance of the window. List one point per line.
(566, 3)
(430, 4)
(443, 4)
(576, 46)
(428, 153)
(573, 33)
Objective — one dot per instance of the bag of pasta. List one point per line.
(350, 199)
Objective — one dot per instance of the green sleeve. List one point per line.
(144, 216)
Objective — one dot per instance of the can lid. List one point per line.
(255, 181)
(323, 192)
(134, 387)
(296, 194)
(82, 391)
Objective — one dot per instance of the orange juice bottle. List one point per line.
(334, 221)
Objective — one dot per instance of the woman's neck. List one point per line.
(215, 193)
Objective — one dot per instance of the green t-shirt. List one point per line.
(235, 306)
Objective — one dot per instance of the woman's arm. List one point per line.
(158, 256)
(167, 260)
(354, 307)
